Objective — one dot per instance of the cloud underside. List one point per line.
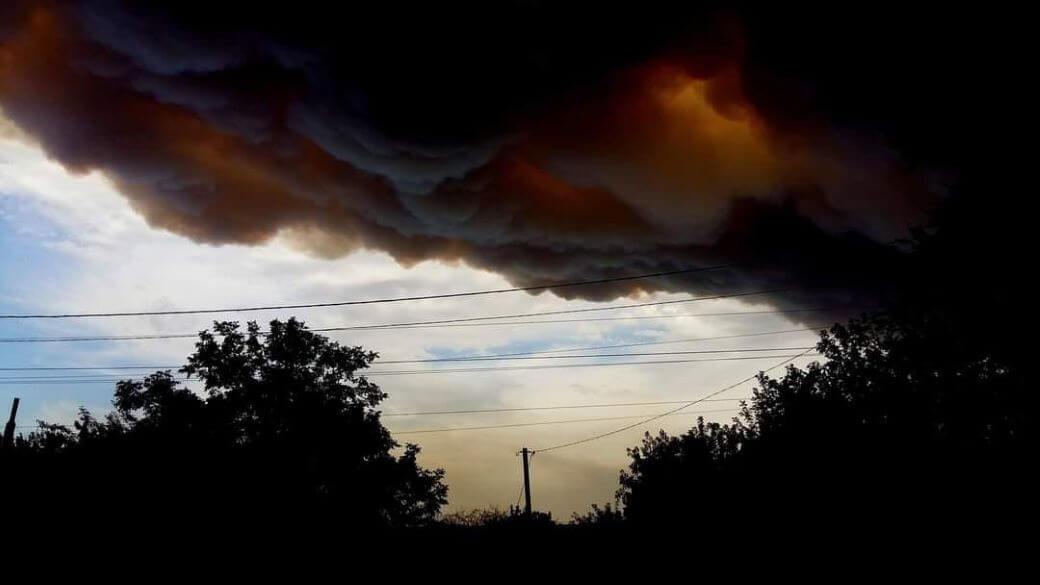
(600, 150)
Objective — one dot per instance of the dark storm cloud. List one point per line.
(540, 140)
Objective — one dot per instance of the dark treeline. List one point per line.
(921, 416)
(287, 431)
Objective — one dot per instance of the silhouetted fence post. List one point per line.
(9, 429)
(527, 483)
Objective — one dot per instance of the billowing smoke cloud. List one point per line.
(537, 141)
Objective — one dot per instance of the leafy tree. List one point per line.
(895, 419)
(606, 516)
(926, 407)
(667, 473)
(287, 427)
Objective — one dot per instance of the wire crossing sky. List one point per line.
(435, 324)
(463, 359)
(371, 301)
(672, 411)
(457, 358)
(103, 379)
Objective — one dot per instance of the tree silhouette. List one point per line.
(895, 420)
(926, 409)
(287, 428)
(667, 473)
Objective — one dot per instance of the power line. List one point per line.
(32, 382)
(536, 408)
(75, 368)
(530, 424)
(414, 324)
(485, 359)
(539, 408)
(427, 325)
(28, 380)
(585, 320)
(550, 422)
(369, 301)
(558, 312)
(562, 407)
(565, 366)
(510, 354)
(595, 355)
(562, 350)
(97, 338)
(515, 425)
(674, 410)
(657, 342)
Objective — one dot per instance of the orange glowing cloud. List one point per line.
(646, 168)
(679, 146)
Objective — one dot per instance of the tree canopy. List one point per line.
(893, 418)
(286, 426)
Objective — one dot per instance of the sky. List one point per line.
(73, 243)
(176, 157)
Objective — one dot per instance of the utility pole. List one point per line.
(9, 429)
(527, 480)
